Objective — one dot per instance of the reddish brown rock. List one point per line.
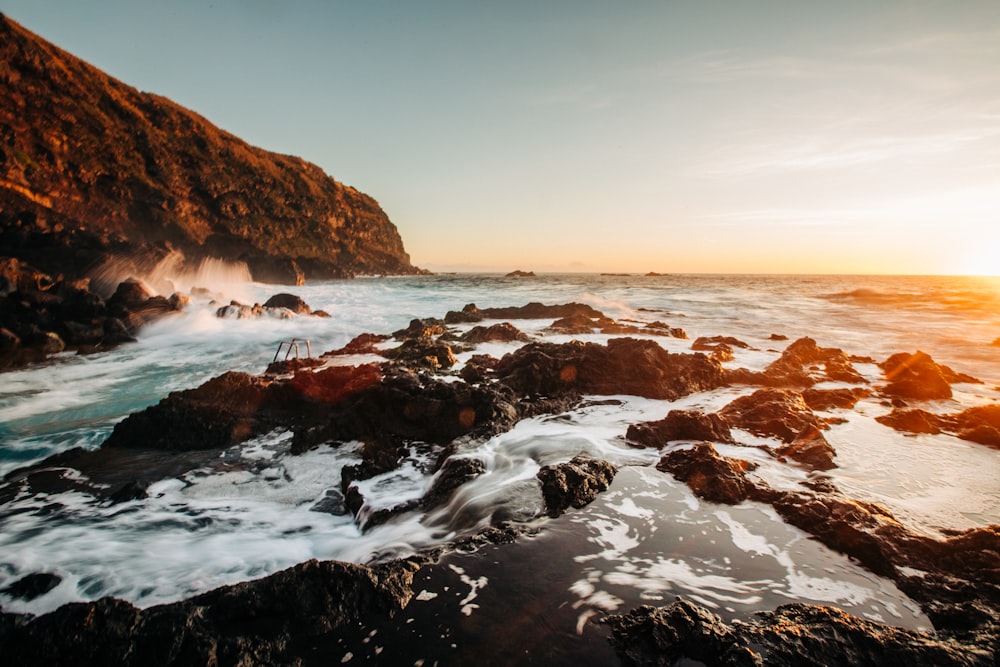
(709, 475)
(679, 425)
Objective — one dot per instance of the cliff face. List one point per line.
(91, 166)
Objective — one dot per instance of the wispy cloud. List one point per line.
(836, 152)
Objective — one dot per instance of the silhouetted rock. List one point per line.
(574, 484)
(520, 274)
(709, 343)
(456, 471)
(290, 302)
(32, 586)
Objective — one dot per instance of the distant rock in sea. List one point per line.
(91, 168)
(521, 274)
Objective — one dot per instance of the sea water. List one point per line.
(260, 509)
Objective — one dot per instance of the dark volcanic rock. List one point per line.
(362, 344)
(679, 425)
(422, 353)
(275, 620)
(520, 274)
(574, 484)
(710, 476)
(531, 311)
(623, 366)
(504, 332)
(99, 168)
(289, 301)
(456, 471)
(792, 635)
(420, 329)
(32, 586)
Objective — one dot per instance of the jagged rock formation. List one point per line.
(92, 167)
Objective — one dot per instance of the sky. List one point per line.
(671, 136)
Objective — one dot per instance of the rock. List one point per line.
(920, 377)
(679, 425)
(239, 311)
(709, 343)
(912, 421)
(798, 366)
(468, 314)
(420, 329)
(783, 414)
(456, 471)
(290, 302)
(422, 353)
(134, 490)
(979, 424)
(827, 399)
(623, 366)
(32, 586)
(811, 449)
(504, 332)
(478, 368)
(520, 274)
(267, 621)
(775, 336)
(131, 294)
(710, 476)
(574, 325)
(362, 344)
(574, 484)
(775, 413)
(660, 328)
(794, 634)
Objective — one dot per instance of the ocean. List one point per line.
(644, 541)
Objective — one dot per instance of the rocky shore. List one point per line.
(411, 392)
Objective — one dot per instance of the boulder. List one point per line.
(574, 484)
(918, 376)
(290, 302)
(503, 332)
(710, 476)
(775, 413)
(623, 366)
(679, 425)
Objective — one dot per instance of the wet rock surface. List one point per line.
(977, 424)
(791, 635)
(917, 376)
(41, 316)
(680, 425)
(802, 364)
(309, 614)
(574, 484)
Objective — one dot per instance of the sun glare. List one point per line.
(981, 261)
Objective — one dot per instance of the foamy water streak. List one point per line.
(260, 509)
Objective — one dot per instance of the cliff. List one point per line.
(91, 167)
